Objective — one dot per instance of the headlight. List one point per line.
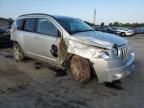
(104, 54)
(114, 51)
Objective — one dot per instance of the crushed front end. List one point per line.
(110, 64)
(116, 66)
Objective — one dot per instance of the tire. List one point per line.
(80, 69)
(123, 34)
(17, 52)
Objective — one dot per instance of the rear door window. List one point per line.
(29, 25)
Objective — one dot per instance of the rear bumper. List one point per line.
(108, 71)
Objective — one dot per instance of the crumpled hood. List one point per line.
(99, 39)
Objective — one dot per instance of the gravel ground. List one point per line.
(30, 84)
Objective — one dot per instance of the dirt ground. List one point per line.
(30, 84)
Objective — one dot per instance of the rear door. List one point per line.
(28, 34)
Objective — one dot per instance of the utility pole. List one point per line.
(94, 20)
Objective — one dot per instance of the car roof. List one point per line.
(43, 14)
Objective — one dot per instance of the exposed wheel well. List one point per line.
(17, 51)
(79, 69)
(14, 42)
(67, 62)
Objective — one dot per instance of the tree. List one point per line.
(4, 22)
(110, 24)
(102, 24)
(10, 20)
(116, 24)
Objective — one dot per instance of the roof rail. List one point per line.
(36, 14)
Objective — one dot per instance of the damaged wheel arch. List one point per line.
(79, 68)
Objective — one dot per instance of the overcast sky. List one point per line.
(107, 10)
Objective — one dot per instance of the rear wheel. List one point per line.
(17, 52)
(80, 69)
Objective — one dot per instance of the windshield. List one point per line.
(72, 25)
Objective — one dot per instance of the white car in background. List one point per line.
(124, 32)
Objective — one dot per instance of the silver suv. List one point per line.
(71, 44)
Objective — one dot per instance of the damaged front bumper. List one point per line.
(111, 70)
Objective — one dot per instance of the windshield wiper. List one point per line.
(88, 30)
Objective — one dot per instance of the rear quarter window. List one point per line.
(19, 24)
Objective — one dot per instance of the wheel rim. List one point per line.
(75, 68)
(17, 52)
(123, 34)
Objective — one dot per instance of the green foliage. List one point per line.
(6, 22)
(10, 20)
(102, 24)
(117, 24)
(110, 24)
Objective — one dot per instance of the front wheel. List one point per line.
(17, 52)
(80, 69)
(123, 34)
